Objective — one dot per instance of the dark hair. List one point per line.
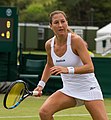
(56, 12)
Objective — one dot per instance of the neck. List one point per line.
(61, 40)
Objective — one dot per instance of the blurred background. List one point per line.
(25, 29)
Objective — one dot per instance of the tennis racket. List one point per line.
(16, 93)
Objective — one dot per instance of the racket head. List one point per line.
(14, 94)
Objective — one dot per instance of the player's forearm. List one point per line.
(46, 73)
(44, 78)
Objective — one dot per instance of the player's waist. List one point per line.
(77, 76)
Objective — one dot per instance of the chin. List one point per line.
(61, 33)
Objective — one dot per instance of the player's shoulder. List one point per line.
(76, 38)
(48, 44)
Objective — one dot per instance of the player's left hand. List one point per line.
(58, 69)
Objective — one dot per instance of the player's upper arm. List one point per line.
(48, 50)
(80, 47)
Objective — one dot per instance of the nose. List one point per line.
(60, 24)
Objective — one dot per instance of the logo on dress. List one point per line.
(91, 88)
(63, 60)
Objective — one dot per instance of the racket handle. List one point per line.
(35, 93)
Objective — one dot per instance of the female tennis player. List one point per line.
(68, 56)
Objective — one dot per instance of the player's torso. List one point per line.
(64, 56)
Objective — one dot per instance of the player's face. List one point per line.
(59, 24)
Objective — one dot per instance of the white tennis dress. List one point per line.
(80, 86)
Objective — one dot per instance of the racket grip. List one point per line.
(35, 93)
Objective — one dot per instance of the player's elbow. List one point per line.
(91, 69)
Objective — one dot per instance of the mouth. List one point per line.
(60, 30)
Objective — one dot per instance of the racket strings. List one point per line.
(15, 95)
(18, 97)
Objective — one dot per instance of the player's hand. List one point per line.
(58, 69)
(39, 89)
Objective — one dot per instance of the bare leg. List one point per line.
(97, 109)
(56, 102)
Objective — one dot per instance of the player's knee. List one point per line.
(43, 113)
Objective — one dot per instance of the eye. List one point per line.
(62, 21)
(56, 22)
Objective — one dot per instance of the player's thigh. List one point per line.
(58, 101)
(97, 109)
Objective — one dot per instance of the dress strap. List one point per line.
(52, 42)
(69, 39)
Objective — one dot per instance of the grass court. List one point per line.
(28, 110)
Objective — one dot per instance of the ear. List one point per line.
(50, 26)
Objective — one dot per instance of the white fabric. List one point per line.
(81, 86)
(70, 70)
(79, 102)
(41, 83)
